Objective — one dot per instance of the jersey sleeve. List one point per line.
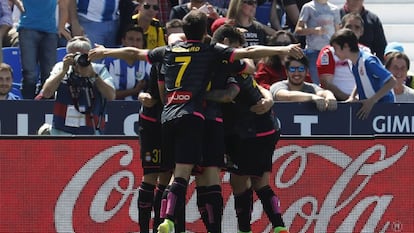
(374, 67)
(277, 86)
(156, 55)
(235, 67)
(249, 86)
(104, 74)
(304, 13)
(325, 62)
(224, 53)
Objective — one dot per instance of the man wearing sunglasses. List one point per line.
(295, 88)
(153, 31)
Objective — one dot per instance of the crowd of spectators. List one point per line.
(345, 58)
(37, 30)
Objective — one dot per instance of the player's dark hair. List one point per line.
(304, 60)
(345, 36)
(195, 25)
(230, 32)
(174, 23)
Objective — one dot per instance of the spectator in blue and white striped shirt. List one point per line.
(99, 19)
(129, 76)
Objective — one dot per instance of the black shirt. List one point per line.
(153, 112)
(221, 78)
(238, 119)
(188, 68)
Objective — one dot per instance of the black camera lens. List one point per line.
(82, 59)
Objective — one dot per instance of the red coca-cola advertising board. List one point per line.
(90, 185)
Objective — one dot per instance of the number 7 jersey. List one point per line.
(187, 69)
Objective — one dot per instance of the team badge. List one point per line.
(325, 59)
(148, 156)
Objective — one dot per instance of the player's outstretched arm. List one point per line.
(129, 54)
(258, 51)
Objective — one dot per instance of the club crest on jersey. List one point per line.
(147, 156)
(325, 59)
(178, 97)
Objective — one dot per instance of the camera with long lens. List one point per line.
(82, 59)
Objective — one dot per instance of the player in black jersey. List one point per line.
(154, 177)
(209, 197)
(250, 140)
(251, 136)
(188, 67)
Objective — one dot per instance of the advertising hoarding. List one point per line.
(83, 184)
(24, 117)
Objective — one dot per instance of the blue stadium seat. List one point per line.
(263, 12)
(60, 53)
(11, 56)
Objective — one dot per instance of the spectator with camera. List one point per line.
(82, 90)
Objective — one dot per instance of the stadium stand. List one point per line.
(60, 53)
(11, 56)
(397, 20)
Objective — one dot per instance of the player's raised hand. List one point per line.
(294, 50)
(97, 53)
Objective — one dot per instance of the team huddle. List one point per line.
(196, 80)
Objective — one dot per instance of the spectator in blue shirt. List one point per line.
(38, 39)
(374, 83)
(129, 76)
(98, 19)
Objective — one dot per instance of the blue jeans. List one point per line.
(103, 33)
(312, 56)
(37, 53)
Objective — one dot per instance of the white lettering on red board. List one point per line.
(320, 214)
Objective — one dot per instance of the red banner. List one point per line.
(90, 185)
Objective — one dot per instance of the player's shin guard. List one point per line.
(145, 201)
(175, 210)
(163, 208)
(157, 205)
(271, 205)
(243, 204)
(210, 206)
